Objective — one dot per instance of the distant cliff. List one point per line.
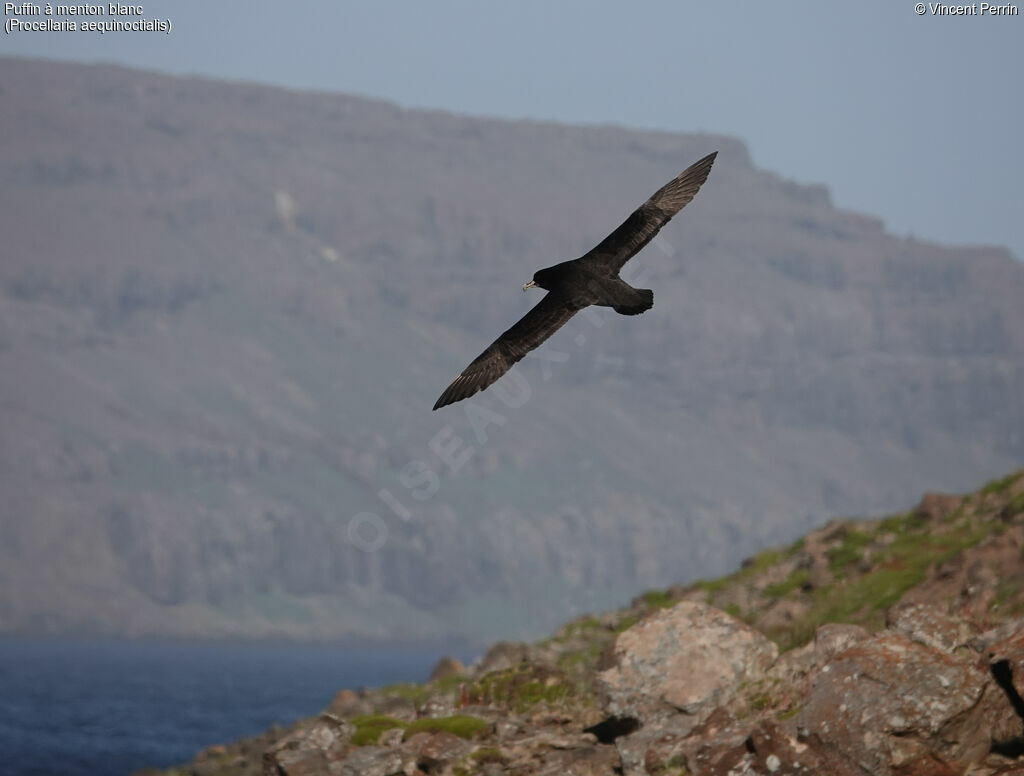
(226, 310)
(896, 647)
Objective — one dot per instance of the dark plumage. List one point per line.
(590, 279)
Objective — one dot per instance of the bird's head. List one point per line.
(542, 278)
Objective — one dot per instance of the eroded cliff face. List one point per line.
(225, 311)
(924, 675)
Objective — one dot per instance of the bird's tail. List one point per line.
(641, 303)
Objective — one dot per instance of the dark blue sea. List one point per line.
(71, 708)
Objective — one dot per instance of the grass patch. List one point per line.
(902, 523)
(675, 766)
(658, 599)
(712, 586)
(849, 551)
(370, 726)
(461, 725)
(795, 580)
(523, 687)
(863, 599)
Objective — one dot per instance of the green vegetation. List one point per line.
(523, 687)
(901, 523)
(658, 599)
(370, 726)
(461, 725)
(712, 586)
(797, 579)
(849, 551)
(899, 566)
(902, 550)
(675, 766)
(734, 610)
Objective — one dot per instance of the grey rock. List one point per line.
(689, 658)
(673, 669)
(311, 750)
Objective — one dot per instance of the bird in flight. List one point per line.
(590, 279)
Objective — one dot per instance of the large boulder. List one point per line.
(891, 705)
(688, 659)
(670, 671)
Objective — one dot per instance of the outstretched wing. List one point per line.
(546, 317)
(639, 229)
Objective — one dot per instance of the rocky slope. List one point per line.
(888, 647)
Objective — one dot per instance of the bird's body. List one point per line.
(592, 279)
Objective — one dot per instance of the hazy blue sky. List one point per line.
(918, 119)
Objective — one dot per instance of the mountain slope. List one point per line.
(226, 309)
